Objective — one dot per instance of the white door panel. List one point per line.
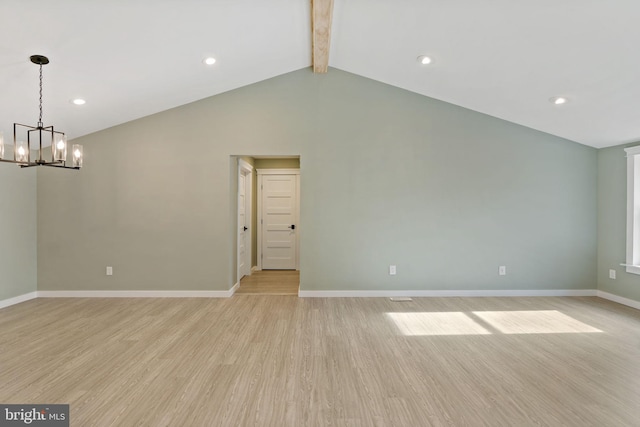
(242, 239)
(244, 220)
(279, 221)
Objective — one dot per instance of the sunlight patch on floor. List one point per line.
(487, 323)
(534, 322)
(447, 323)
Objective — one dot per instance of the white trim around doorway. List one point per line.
(246, 169)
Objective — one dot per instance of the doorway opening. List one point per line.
(268, 225)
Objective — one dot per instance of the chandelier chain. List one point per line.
(40, 120)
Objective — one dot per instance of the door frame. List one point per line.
(261, 173)
(245, 169)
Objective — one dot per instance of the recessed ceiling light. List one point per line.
(78, 101)
(424, 60)
(558, 100)
(209, 61)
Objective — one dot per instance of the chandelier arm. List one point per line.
(35, 164)
(54, 165)
(16, 162)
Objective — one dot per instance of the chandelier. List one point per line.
(37, 137)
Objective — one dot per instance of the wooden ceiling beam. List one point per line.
(322, 12)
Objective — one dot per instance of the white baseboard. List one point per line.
(255, 268)
(620, 300)
(136, 294)
(322, 294)
(234, 289)
(17, 300)
(451, 293)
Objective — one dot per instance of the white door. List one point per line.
(279, 214)
(244, 220)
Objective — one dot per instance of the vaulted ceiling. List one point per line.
(129, 59)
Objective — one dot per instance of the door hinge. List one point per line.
(260, 220)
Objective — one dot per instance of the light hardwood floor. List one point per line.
(270, 282)
(288, 361)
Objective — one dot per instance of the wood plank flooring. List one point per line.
(270, 282)
(288, 361)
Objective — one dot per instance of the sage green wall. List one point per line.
(612, 223)
(18, 262)
(277, 163)
(388, 177)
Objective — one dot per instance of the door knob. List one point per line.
(245, 228)
(293, 227)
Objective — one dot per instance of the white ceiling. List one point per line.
(505, 58)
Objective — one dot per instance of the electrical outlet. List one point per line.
(612, 274)
(109, 271)
(392, 270)
(502, 270)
